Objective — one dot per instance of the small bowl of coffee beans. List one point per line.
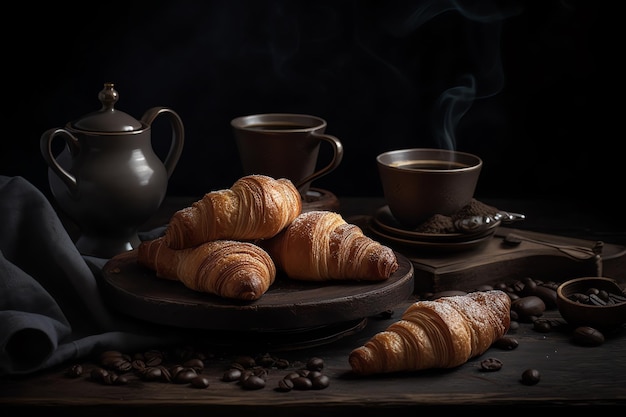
(596, 302)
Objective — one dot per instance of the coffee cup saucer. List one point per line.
(384, 223)
(434, 247)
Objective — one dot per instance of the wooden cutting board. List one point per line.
(496, 260)
(287, 306)
(537, 255)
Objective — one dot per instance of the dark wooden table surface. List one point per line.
(571, 375)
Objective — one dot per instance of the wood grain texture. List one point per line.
(570, 376)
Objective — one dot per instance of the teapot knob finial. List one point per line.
(108, 96)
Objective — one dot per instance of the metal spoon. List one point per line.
(475, 224)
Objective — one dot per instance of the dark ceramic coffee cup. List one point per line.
(421, 182)
(285, 145)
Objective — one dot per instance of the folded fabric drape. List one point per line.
(51, 310)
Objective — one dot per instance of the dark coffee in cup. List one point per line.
(429, 164)
(278, 126)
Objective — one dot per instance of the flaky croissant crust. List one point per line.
(255, 207)
(229, 269)
(443, 333)
(320, 245)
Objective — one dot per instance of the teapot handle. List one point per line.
(73, 145)
(178, 134)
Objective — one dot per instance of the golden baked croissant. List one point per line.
(321, 245)
(443, 333)
(255, 207)
(229, 269)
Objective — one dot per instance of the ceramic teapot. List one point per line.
(108, 178)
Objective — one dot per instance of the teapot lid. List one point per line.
(108, 119)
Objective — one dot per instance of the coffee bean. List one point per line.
(292, 375)
(587, 336)
(110, 379)
(530, 377)
(513, 296)
(315, 364)
(596, 300)
(260, 372)
(603, 295)
(285, 385)
(246, 361)
(542, 326)
(253, 382)
(506, 343)
(195, 363)
(138, 365)
(200, 382)
(529, 306)
(594, 296)
(281, 363)
(166, 374)
(302, 383)
(547, 294)
(320, 382)
(617, 298)
(236, 365)
(121, 380)
(74, 371)
(151, 374)
(232, 374)
(245, 374)
(530, 286)
(153, 357)
(490, 365)
(518, 287)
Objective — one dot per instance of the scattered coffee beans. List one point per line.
(285, 385)
(587, 336)
(594, 296)
(315, 364)
(530, 377)
(302, 383)
(200, 382)
(506, 343)
(232, 374)
(74, 371)
(107, 378)
(528, 307)
(253, 382)
(490, 365)
(309, 377)
(542, 326)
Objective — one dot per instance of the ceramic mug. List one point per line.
(421, 182)
(285, 145)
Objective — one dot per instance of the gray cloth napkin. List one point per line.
(51, 310)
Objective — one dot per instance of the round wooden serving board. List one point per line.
(288, 305)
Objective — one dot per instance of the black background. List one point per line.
(544, 116)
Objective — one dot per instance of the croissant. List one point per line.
(444, 333)
(255, 207)
(226, 268)
(320, 245)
